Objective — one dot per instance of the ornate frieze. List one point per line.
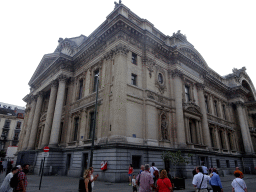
(176, 73)
(193, 56)
(200, 86)
(192, 108)
(119, 49)
(150, 63)
(154, 96)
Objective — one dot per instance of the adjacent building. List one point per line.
(156, 93)
(11, 119)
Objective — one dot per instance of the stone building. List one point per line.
(156, 93)
(11, 119)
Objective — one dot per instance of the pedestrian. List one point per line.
(205, 169)
(200, 180)
(238, 184)
(93, 178)
(87, 181)
(142, 168)
(154, 172)
(9, 167)
(134, 185)
(5, 187)
(240, 172)
(194, 172)
(146, 180)
(130, 172)
(1, 167)
(22, 178)
(163, 183)
(215, 181)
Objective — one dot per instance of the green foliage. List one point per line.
(2, 153)
(175, 158)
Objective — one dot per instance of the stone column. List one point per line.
(248, 131)
(216, 130)
(244, 128)
(29, 124)
(82, 127)
(180, 126)
(32, 138)
(205, 128)
(49, 116)
(211, 107)
(187, 130)
(58, 112)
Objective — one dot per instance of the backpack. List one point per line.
(156, 173)
(14, 180)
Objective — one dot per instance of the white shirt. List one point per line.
(133, 182)
(205, 170)
(93, 181)
(198, 178)
(5, 187)
(152, 169)
(236, 186)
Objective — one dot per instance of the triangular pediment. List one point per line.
(45, 63)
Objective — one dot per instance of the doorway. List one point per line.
(68, 163)
(84, 163)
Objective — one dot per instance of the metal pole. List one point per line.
(41, 174)
(94, 123)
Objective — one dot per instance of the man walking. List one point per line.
(146, 180)
(200, 180)
(238, 184)
(215, 181)
(5, 187)
(142, 168)
(205, 169)
(239, 172)
(154, 172)
(22, 178)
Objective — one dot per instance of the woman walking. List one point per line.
(130, 172)
(87, 181)
(163, 183)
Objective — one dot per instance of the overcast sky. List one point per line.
(222, 31)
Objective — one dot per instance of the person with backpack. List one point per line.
(154, 172)
(5, 187)
(14, 180)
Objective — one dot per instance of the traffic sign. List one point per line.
(46, 149)
(46, 154)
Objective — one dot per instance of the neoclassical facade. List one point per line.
(156, 93)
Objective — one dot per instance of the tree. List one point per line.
(175, 158)
(2, 153)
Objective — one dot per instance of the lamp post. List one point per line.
(95, 116)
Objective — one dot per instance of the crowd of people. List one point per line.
(16, 179)
(149, 179)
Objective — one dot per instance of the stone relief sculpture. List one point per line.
(164, 126)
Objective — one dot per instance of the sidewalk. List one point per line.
(70, 184)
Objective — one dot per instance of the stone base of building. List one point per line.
(73, 161)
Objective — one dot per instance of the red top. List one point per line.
(130, 170)
(164, 184)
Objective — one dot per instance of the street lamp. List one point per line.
(94, 122)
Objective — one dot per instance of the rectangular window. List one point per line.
(206, 104)
(236, 164)
(7, 123)
(211, 135)
(218, 163)
(76, 121)
(221, 140)
(224, 111)
(134, 79)
(91, 124)
(136, 161)
(227, 163)
(96, 73)
(187, 95)
(16, 136)
(80, 94)
(134, 58)
(216, 108)
(18, 125)
(230, 141)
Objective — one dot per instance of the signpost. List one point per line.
(45, 154)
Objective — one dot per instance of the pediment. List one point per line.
(192, 108)
(194, 55)
(45, 63)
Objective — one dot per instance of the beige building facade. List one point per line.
(156, 93)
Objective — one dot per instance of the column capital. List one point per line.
(41, 93)
(200, 86)
(54, 83)
(62, 78)
(239, 103)
(176, 73)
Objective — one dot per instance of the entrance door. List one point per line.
(203, 159)
(84, 163)
(68, 163)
